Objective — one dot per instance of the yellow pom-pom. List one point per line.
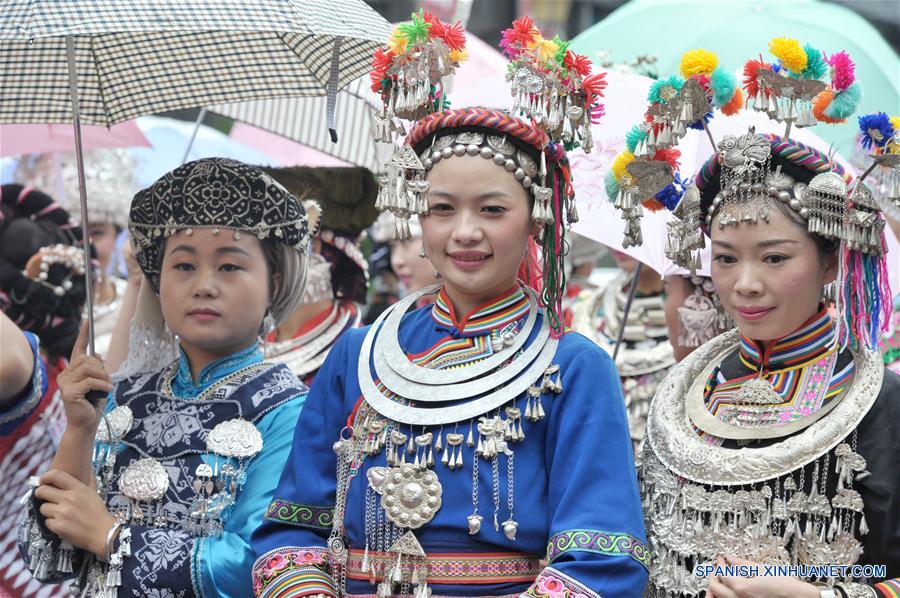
(546, 49)
(895, 122)
(397, 42)
(619, 170)
(459, 56)
(790, 53)
(698, 62)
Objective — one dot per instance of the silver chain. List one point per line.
(475, 460)
(510, 463)
(495, 476)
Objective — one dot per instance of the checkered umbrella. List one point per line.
(107, 61)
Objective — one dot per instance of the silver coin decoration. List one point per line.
(235, 438)
(115, 425)
(411, 497)
(145, 479)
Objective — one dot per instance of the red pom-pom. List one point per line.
(735, 104)
(653, 204)
(751, 72)
(522, 33)
(578, 63)
(381, 62)
(670, 155)
(594, 85)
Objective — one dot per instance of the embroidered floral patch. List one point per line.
(293, 571)
(555, 584)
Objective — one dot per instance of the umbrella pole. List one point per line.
(631, 290)
(190, 144)
(82, 192)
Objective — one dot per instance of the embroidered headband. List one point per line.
(216, 193)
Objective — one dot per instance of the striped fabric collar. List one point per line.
(507, 308)
(804, 346)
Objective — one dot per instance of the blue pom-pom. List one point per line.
(698, 125)
(723, 84)
(611, 185)
(672, 193)
(880, 122)
(845, 102)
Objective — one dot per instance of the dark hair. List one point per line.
(826, 247)
(32, 220)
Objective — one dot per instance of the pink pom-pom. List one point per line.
(842, 75)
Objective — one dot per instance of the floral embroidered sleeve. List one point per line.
(290, 545)
(597, 545)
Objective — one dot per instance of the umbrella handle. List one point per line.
(631, 290)
(94, 397)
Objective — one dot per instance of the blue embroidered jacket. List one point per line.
(575, 489)
(173, 416)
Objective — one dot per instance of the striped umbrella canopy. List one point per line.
(143, 57)
(102, 62)
(303, 119)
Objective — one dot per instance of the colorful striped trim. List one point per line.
(455, 352)
(308, 516)
(503, 310)
(468, 568)
(553, 583)
(293, 571)
(803, 347)
(889, 588)
(598, 542)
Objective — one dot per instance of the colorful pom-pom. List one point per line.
(751, 73)
(723, 85)
(663, 90)
(611, 185)
(397, 42)
(735, 104)
(619, 165)
(670, 155)
(816, 66)
(522, 34)
(895, 122)
(820, 103)
(698, 62)
(790, 53)
(546, 49)
(845, 102)
(698, 125)
(876, 129)
(416, 31)
(577, 63)
(671, 194)
(842, 71)
(634, 136)
(458, 56)
(653, 205)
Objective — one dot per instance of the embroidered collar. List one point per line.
(507, 308)
(183, 385)
(804, 346)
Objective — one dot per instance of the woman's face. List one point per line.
(214, 290)
(415, 272)
(477, 228)
(769, 276)
(103, 238)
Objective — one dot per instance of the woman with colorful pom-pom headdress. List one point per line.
(767, 445)
(447, 451)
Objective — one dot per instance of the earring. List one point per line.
(268, 325)
(422, 251)
(829, 293)
(723, 320)
(437, 274)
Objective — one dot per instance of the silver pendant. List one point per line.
(235, 438)
(144, 480)
(115, 425)
(509, 529)
(411, 497)
(474, 523)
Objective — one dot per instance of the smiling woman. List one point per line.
(445, 451)
(173, 473)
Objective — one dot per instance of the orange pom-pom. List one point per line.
(654, 205)
(820, 103)
(735, 104)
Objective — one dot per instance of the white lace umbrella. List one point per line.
(106, 61)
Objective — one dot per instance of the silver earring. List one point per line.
(437, 274)
(422, 251)
(268, 324)
(829, 293)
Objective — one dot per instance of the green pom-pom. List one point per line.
(816, 67)
(416, 31)
(723, 84)
(665, 89)
(611, 185)
(633, 137)
(845, 103)
(561, 53)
